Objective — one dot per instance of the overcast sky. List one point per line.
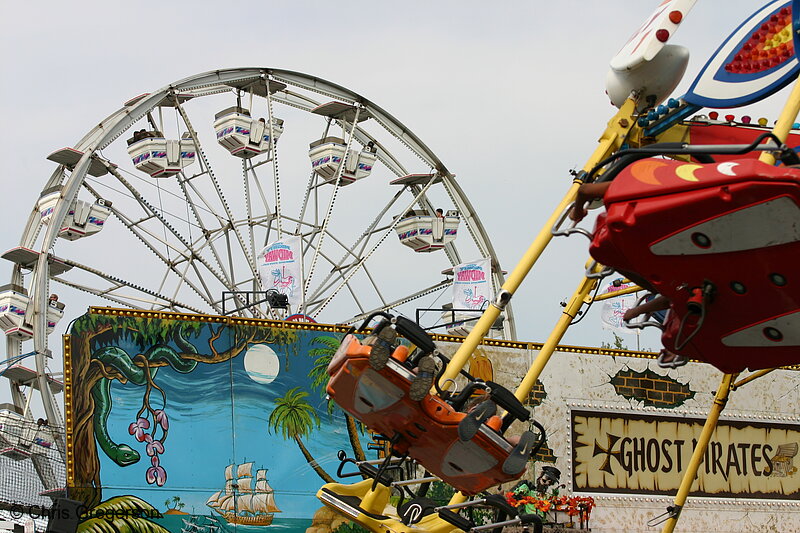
(509, 95)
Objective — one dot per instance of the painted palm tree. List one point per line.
(294, 418)
(323, 353)
(128, 514)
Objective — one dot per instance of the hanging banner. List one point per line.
(614, 308)
(471, 285)
(646, 454)
(280, 268)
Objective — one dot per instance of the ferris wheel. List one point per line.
(168, 202)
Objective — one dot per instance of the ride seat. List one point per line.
(733, 227)
(427, 430)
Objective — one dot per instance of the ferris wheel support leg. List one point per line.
(689, 475)
(785, 121)
(615, 133)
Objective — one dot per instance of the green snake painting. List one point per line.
(141, 374)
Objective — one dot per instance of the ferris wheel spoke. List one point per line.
(252, 220)
(208, 209)
(396, 303)
(336, 269)
(182, 279)
(117, 283)
(362, 261)
(352, 270)
(375, 285)
(150, 210)
(248, 207)
(216, 305)
(269, 215)
(354, 294)
(195, 176)
(306, 198)
(171, 265)
(251, 281)
(126, 301)
(215, 183)
(274, 153)
(341, 268)
(363, 239)
(204, 229)
(373, 228)
(337, 185)
(142, 233)
(312, 186)
(344, 282)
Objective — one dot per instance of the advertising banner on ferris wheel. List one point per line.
(471, 286)
(280, 268)
(614, 308)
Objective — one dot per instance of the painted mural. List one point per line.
(201, 424)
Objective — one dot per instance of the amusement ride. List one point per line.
(710, 228)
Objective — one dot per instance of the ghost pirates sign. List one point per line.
(639, 454)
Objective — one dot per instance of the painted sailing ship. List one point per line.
(246, 499)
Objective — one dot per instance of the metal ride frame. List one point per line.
(620, 129)
(236, 230)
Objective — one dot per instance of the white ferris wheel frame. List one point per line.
(213, 82)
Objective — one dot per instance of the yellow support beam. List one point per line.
(785, 121)
(699, 452)
(567, 316)
(614, 135)
(751, 377)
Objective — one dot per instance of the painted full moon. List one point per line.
(261, 364)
